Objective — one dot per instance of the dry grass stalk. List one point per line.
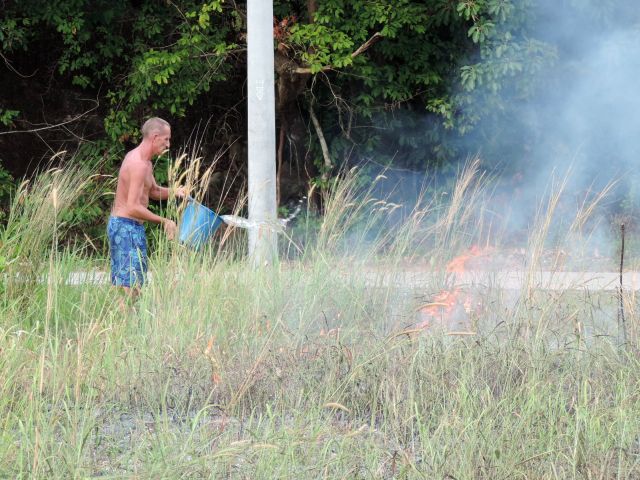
(35, 221)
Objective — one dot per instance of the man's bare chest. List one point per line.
(144, 177)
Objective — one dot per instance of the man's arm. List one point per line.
(162, 193)
(158, 193)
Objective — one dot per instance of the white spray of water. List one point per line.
(278, 225)
(236, 221)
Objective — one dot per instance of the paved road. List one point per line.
(515, 280)
(509, 280)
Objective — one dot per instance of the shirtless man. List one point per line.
(136, 185)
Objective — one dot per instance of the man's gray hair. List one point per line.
(154, 125)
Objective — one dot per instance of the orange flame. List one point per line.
(457, 265)
(215, 365)
(442, 303)
(443, 307)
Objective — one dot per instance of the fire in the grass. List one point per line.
(451, 309)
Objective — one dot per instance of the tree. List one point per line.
(406, 81)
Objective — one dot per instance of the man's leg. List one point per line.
(128, 262)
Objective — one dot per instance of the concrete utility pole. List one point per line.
(262, 132)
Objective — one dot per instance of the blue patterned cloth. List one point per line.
(128, 251)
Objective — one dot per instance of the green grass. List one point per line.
(310, 369)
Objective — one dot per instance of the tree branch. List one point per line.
(10, 67)
(361, 49)
(365, 46)
(49, 127)
(307, 70)
(312, 8)
(323, 143)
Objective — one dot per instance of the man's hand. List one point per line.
(182, 192)
(170, 228)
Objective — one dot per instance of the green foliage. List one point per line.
(7, 183)
(319, 46)
(7, 116)
(87, 214)
(152, 56)
(441, 71)
(13, 33)
(164, 57)
(171, 78)
(454, 60)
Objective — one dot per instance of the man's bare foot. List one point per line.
(127, 297)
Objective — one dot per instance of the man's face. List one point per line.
(161, 141)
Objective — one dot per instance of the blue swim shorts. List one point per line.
(128, 251)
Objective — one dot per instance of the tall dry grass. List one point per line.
(29, 237)
(306, 370)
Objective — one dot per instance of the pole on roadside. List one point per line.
(261, 132)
